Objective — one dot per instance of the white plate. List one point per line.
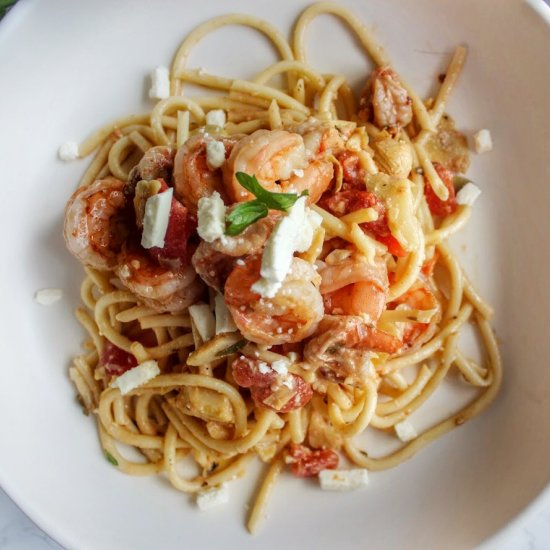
(67, 67)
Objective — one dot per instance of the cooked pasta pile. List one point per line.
(298, 288)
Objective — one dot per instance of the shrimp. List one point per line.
(385, 101)
(161, 288)
(340, 349)
(421, 296)
(280, 162)
(320, 139)
(193, 177)
(95, 223)
(353, 286)
(156, 163)
(214, 261)
(290, 316)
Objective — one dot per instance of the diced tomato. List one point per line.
(246, 372)
(303, 393)
(181, 226)
(353, 173)
(115, 360)
(436, 205)
(350, 201)
(429, 265)
(306, 462)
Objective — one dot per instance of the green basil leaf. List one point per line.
(245, 214)
(275, 201)
(232, 349)
(110, 458)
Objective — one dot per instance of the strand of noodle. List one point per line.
(164, 320)
(260, 503)
(314, 79)
(455, 273)
(477, 406)
(275, 122)
(182, 132)
(172, 104)
(100, 278)
(400, 402)
(337, 394)
(88, 323)
(451, 76)
(266, 92)
(134, 313)
(452, 224)
(432, 346)
(85, 371)
(328, 95)
(245, 127)
(87, 292)
(170, 461)
(183, 52)
(365, 416)
(249, 99)
(299, 91)
(469, 372)
(83, 389)
(348, 100)
(476, 300)
(254, 435)
(99, 136)
(373, 49)
(142, 418)
(93, 171)
(410, 275)
(200, 77)
(140, 141)
(104, 172)
(297, 424)
(398, 380)
(236, 469)
(126, 466)
(119, 411)
(438, 187)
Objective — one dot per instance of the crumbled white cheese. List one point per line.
(224, 320)
(68, 151)
(211, 217)
(280, 367)
(215, 154)
(213, 497)
(136, 377)
(155, 220)
(215, 117)
(160, 83)
(343, 480)
(483, 142)
(468, 194)
(48, 296)
(204, 321)
(289, 382)
(293, 233)
(405, 431)
(263, 367)
(298, 172)
(240, 262)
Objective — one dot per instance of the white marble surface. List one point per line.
(18, 532)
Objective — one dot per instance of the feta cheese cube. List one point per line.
(483, 142)
(210, 498)
(224, 320)
(468, 194)
(215, 154)
(155, 220)
(68, 151)
(204, 321)
(343, 480)
(160, 83)
(280, 367)
(48, 296)
(405, 431)
(264, 368)
(215, 117)
(136, 377)
(211, 217)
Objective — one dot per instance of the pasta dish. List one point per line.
(267, 274)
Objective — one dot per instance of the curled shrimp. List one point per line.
(159, 287)
(353, 286)
(280, 162)
(290, 316)
(214, 261)
(193, 177)
(341, 347)
(385, 101)
(156, 163)
(95, 223)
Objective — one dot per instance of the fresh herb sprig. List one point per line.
(247, 213)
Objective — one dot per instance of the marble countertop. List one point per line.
(17, 532)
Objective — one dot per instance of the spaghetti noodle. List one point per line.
(362, 328)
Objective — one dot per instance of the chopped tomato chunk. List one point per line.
(436, 205)
(306, 462)
(115, 360)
